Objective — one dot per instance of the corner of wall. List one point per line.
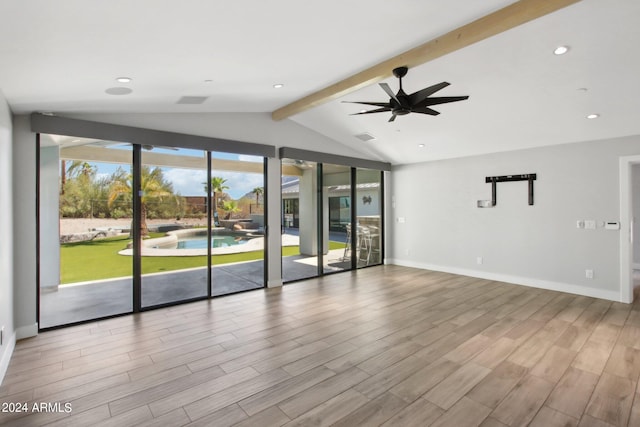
(7, 278)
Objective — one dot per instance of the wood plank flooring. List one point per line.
(388, 345)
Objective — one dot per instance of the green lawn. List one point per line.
(99, 259)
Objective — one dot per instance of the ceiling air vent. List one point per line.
(192, 100)
(365, 137)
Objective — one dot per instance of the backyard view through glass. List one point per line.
(126, 227)
(81, 274)
(299, 219)
(87, 246)
(318, 206)
(237, 189)
(179, 203)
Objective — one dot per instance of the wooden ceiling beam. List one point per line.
(490, 25)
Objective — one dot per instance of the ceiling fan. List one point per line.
(418, 102)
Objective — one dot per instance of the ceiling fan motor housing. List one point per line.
(400, 72)
(401, 104)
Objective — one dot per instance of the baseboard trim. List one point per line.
(26, 331)
(5, 358)
(516, 280)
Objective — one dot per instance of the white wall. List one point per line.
(635, 206)
(536, 245)
(6, 242)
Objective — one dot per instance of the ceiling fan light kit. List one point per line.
(401, 104)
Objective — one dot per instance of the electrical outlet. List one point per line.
(479, 260)
(588, 274)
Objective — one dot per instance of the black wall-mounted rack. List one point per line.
(506, 178)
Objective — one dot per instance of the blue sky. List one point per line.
(190, 182)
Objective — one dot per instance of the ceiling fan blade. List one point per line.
(393, 117)
(421, 95)
(377, 110)
(441, 100)
(387, 89)
(425, 110)
(375, 104)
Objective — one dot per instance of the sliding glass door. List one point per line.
(299, 220)
(85, 229)
(125, 228)
(319, 204)
(336, 218)
(368, 204)
(173, 225)
(238, 233)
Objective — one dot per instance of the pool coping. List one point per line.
(255, 244)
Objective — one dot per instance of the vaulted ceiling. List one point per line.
(64, 57)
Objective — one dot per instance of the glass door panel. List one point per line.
(173, 225)
(299, 219)
(336, 217)
(237, 239)
(369, 217)
(85, 264)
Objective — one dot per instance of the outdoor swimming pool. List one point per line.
(193, 242)
(217, 241)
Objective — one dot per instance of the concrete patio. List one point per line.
(92, 300)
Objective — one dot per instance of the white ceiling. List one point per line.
(61, 56)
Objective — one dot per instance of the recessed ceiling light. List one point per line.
(561, 50)
(420, 145)
(278, 86)
(363, 111)
(593, 116)
(124, 79)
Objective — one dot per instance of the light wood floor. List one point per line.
(384, 346)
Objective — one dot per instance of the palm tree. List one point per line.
(229, 207)
(152, 186)
(76, 169)
(217, 186)
(258, 191)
